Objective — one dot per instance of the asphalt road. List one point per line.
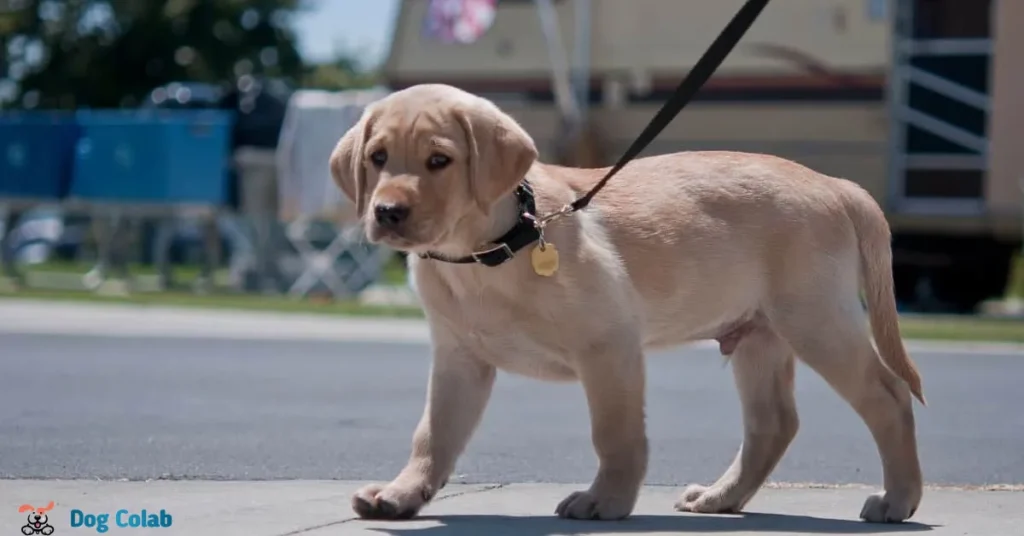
(101, 407)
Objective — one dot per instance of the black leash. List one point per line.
(684, 93)
(529, 228)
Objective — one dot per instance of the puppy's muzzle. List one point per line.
(390, 216)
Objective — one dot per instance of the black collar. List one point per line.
(522, 234)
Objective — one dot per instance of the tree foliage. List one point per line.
(342, 73)
(110, 53)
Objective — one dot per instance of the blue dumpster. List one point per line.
(36, 154)
(153, 156)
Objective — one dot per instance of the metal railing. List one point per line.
(905, 116)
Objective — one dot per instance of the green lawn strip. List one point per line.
(951, 328)
(963, 329)
(1015, 287)
(393, 273)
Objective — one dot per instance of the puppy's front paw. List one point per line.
(391, 501)
(591, 505)
(885, 507)
(709, 500)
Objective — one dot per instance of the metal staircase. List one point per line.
(939, 102)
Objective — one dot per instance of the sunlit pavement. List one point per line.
(94, 394)
(321, 508)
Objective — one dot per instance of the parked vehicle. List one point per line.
(906, 97)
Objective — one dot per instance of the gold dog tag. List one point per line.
(545, 259)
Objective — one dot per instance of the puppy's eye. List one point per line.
(379, 157)
(438, 161)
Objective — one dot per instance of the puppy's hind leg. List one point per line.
(763, 368)
(828, 333)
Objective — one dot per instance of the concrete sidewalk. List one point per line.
(284, 508)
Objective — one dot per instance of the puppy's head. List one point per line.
(427, 160)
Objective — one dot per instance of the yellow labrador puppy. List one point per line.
(760, 253)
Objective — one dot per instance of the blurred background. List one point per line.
(176, 150)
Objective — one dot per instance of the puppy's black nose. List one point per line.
(388, 215)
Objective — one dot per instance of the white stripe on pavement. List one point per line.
(119, 320)
(38, 317)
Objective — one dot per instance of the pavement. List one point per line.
(264, 424)
(318, 508)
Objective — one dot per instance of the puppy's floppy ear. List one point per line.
(500, 152)
(346, 162)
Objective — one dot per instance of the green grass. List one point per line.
(392, 274)
(950, 328)
(1015, 286)
(71, 267)
(221, 297)
(963, 329)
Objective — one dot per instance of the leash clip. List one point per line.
(542, 222)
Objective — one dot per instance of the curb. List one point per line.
(42, 317)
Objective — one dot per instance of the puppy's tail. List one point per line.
(873, 240)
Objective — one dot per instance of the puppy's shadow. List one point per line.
(495, 525)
